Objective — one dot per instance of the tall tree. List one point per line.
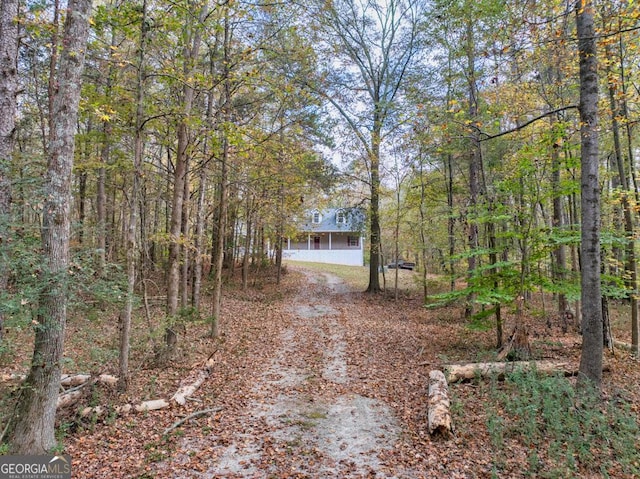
(592, 321)
(190, 53)
(377, 44)
(223, 186)
(132, 232)
(33, 431)
(8, 94)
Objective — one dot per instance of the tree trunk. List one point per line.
(199, 246)
(592, 349)
(35, 417)
(560, 252)
(101, 199)
(396, 242)
(175, 232)
(190, 53)
(199, 240)
(631, 187)
(374, 256)
(247, 247)
(82, 199)
(474, 164)
(451, 223)
(493, 259)
(631, 274)
(423, 232)
(132, 244)
(53, 66)
(184, 275)
(8, 93)
(223, 205)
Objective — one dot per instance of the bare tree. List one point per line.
(34, 422)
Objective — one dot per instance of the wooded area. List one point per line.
(150, 151)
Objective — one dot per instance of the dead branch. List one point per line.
(189, 417)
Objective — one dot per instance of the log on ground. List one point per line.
(439, 414)
(469, 371)
(193, 383)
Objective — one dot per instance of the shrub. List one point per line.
(565, 433)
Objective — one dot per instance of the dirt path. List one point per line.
(303, 418)
(312, 381)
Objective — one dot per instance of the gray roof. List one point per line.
(353, 221)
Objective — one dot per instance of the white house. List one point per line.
(329, 236)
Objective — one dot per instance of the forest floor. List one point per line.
(312, 379)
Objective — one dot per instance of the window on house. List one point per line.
(353, 241)
(340, 218)
(316, 218)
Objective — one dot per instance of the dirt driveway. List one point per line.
(302, 417)
(311, 381)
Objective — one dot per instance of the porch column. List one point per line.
(288, 243)
(309, 242)
(329, 239)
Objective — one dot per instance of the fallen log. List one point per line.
(13, 377)
(196, 380)
(72, 380)
(439, 415)
(99, 411)
(69, 398)
(469, 371)
(625, 346)
(185, 391)
(145, 406)
(151, 405)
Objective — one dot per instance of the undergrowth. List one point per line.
(565, 433)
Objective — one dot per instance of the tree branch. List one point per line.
(190, 416)
(524, 125)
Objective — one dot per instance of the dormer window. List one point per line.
(316, 218)
(341, 218)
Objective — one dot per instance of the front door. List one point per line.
(316, 242)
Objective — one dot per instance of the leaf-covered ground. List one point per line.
(314, 380)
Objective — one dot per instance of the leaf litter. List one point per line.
(312, 380)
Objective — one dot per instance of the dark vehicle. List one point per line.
(402, 265)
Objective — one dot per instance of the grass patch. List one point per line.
(565, 433)
(316, 415)
(357, 277)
